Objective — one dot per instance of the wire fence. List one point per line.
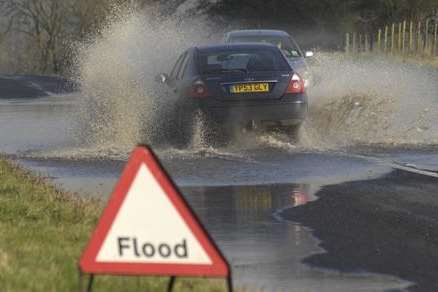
(403, 38)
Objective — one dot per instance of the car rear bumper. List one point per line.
(291, 111)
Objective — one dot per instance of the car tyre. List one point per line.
(215, 134)
(184, 128)
(293, 132)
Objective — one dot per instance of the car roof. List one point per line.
(254, 32)
(236, 46)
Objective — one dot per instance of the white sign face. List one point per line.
(148, 229)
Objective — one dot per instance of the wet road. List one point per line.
(259, 201)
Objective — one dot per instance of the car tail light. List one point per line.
(296, 84)
(198, 90)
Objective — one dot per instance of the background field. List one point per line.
(40, 36)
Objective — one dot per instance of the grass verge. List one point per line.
(43, 232)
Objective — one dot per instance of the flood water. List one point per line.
(81, 141)
(238, 193)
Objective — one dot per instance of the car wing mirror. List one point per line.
(162, 78)
(309, 54)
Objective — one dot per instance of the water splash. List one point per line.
(373, 100)
(122, 105)
(363, 100)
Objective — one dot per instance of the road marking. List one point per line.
(413, 169)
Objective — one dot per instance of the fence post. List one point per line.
(435, 35)
(354, 43)
(404, 37)
(419, 38)
(399, 37)
(347, 43)
(411, 36)
(427, 40)
(367, 43)
(379, 39)
(392, 37)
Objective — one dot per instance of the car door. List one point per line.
(168, 88)
(297, 60)
(175, 77)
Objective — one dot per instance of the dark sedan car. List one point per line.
(235, 85)
(284, 41)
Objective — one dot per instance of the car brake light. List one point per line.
(198, 90)
(296, 84)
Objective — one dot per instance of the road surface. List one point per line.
(357, 218)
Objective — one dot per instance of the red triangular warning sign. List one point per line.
(147, 228)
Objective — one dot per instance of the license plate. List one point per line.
(249, 87)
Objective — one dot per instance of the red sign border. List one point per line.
(88, 264)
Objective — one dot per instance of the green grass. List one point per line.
(43, 232)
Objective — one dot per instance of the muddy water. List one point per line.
(238, 192)
(81, 141)
(357, 99)
(35, 123)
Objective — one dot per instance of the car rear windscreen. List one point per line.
(245, 60)
(286, 45)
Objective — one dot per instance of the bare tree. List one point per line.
(89, 16)
(42, 22)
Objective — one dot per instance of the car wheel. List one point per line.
(215, 134)
(184, 128)
(293, 132)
